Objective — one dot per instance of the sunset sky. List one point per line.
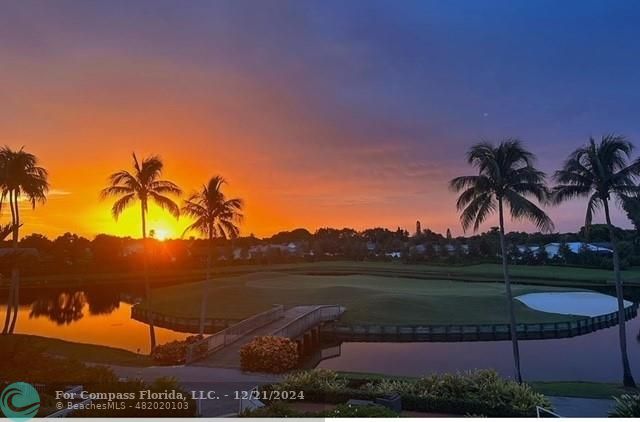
(318, 113)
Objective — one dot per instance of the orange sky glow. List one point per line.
(315, 119)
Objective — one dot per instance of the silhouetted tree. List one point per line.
(142, 185)
(20, 175)
(506, 176)
(600, 171)
(215, 216)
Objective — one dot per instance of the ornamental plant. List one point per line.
(627, 406)
(175, 352)
(269, 354)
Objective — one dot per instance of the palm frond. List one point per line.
(215, 215)
(593, 204)
(505, 168)
(121, 204)
(166, 204)
(523, 209)
(563, 193)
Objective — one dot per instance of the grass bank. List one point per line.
(581, 389)
(22, 343)
(546, 275)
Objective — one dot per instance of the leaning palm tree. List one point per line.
(215, 217)
(506, 177)
(602, 171)
(20, 176)
(142, 185)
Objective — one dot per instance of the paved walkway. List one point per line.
(229, 357)
(221, 381)
(573, 407)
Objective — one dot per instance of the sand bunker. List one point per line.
(572, 303)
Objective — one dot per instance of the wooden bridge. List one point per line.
(300, 323)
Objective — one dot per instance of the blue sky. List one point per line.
(367, 106)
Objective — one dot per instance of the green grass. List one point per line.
(593, 390)
(548, 275)
(20, 343)
(369, 299)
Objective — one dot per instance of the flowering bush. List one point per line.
(175, 352)
(269, 354)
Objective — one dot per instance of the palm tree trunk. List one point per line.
(626, 368)
(147, 286)
(15, 272)
(12, 287)
(507, 284)
(205, 287)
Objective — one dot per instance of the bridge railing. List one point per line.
(217, 341)
(309, 320)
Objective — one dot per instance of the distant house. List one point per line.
(134, 247)
(290, 248)
(452, 249)
(21, 252)
(421, 249)
(553, 249)
(526, 248)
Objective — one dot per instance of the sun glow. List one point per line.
(161, 234)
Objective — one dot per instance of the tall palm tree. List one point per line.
(506, 177)
(20, 176)
(602, 171)
(215, 216)
(142, 185)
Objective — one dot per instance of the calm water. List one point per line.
(591, 357)
(96, 316)
(103, 316)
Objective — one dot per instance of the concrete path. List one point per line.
(229, 357)
(574, 407)
(223, 383)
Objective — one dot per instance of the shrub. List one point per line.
(175, 352)
(627, 406)
(319, 379)
(348, 411)
(276, 410)
(282, 410)
(269, 354)
(478, 392)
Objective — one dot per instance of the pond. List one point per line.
(103, 316)
(590, 357)
(98, 316)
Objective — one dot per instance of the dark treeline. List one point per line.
(70, 253)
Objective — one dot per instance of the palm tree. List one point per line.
(600, 171)
(20, 176)
(142, 185)
(215, 216)
(506, 176)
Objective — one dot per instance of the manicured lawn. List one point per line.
(593, 390)
(369, 299)
(20, 343)
(547, 275)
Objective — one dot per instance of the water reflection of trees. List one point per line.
(66, 307)
(102, 301)
(62, 309)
